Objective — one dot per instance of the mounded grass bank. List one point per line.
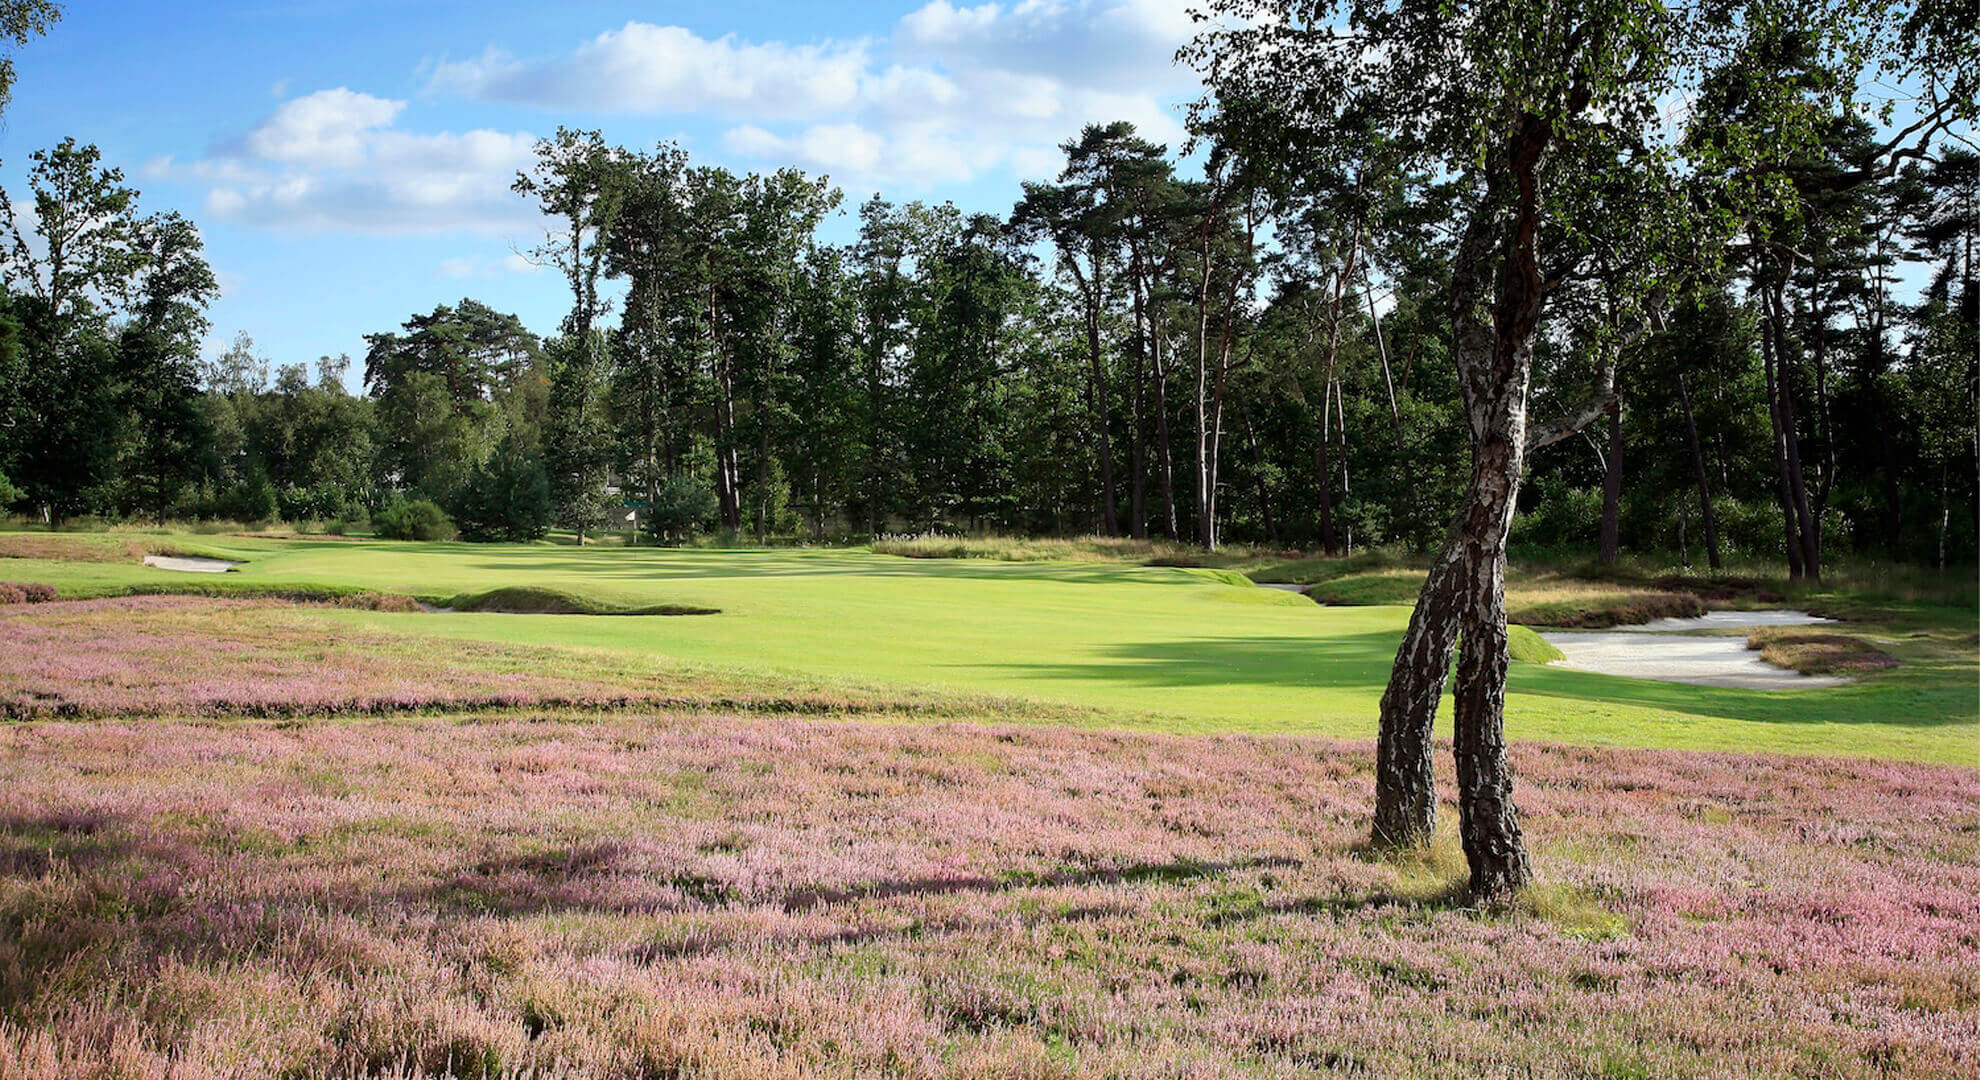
(1523, 643)
(539, 600)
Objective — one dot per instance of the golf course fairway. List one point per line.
(1173, 649)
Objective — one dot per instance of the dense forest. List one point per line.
(1248, 338)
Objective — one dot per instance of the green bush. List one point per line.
(681, 508)
(252, 500)
(9, 494)
(1561, 518)
(505, 498)
(413, 519)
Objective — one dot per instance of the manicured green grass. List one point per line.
(1174, 648)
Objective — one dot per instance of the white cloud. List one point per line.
(645, 68)
(953, 92)
(328, 128)
(334, 160)
(1124, 45)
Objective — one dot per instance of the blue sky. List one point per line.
(348, 160)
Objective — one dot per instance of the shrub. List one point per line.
(505, 498)
(9, 494)
(1562, 518)
(397, 603)
(681, 508)
(413, 519)
(25, 592)
(251, 500)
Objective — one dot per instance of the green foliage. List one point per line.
(682, 507)
(9, 494)
(250, 500)
(412, 519)
(506, 497)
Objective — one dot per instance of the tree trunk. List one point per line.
(1405, 781)
(1704, 483)
(1794, 480)
(1612, 487)
(1137, 442)
(1164, 453)
(1388, 380)
(1347, 482)
(1811, 525)
(1205, 486)
(1323, 465)
(1769, 361)
(1216, 440)
(1495, 358)
(1096, 396)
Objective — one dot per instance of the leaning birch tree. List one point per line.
(1534, 109)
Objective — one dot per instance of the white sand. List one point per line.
(189, 564)
(1727, 620)
(1665, 652)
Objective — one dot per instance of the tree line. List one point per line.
(1252, 341)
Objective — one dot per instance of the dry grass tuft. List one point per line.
(1819, 652)
(63, 547)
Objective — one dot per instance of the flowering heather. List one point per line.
(708, 895)
(181, 655)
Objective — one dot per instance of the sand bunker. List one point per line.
(190, 564)
(1727, 620)
(1664, 651)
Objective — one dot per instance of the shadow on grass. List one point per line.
(1923, 694)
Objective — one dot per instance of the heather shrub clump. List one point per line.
(26, 592)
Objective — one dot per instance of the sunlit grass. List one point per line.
(1193, 649)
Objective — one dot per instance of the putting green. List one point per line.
(1179, 649)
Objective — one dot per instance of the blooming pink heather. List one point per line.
(188, 655)
(653, 894)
